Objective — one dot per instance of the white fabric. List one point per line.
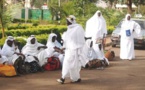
(127, 42)
(9, 51)
(49, 51)
(70, 19)
(96, 27)
(74, 58)
(3, 58)
(89, 51)
(100, 53)
(31, 49)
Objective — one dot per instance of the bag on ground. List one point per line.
(53, 63)
(110, 55)
(7, 70)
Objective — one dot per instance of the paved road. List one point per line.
(120, 75)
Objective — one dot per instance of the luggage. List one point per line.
(96, 63)
(110, 55)
(32, 67)
(53, 63)
(7, 70)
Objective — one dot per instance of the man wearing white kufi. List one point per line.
(128, 29)
(74, 41)
(10, 51)
(53, 48)
(96, 30)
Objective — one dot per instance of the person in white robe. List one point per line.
(11, 51)
(96, 27)
(89, 51)
(74, 59)
(92, 55)
(128, 28)
(53, 49)
(97, 31)
(3, 59)
(32, 49)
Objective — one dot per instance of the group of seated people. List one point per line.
(37, 54)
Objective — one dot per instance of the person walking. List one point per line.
(128, 29)
(74, 59)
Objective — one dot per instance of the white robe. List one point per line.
(30, 50)
(49, 51)
(96, 27)
(3, 58)
(8, 52)
(127, 42)
(74, 57)
(89, 51)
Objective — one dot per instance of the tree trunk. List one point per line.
(129, 5)
(3, 29)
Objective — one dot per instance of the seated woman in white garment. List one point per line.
(31, 51)
(11, 55)
(92, 56)
(53, 49)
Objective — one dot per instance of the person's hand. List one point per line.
(38, 48)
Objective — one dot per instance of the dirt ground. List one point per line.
(120, 75)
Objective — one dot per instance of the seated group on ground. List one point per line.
(34, 56)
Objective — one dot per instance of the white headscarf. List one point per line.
(130, 25)
(51, 44)
(7, 50)
(96, 26)
(31, 49)
(74, 36)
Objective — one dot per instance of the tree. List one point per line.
(2, 17)
(6, 12)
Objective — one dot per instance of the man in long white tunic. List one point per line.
(96, 30)
(128, 28)
(74, 41)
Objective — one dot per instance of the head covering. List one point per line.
(11, 38)
(31, 49)
(6, 48)
(71, 19)
(96, 26)
(127, 17)
(74, 37)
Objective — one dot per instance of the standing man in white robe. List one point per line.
(128, 28)
(74, 41)
(97, 31)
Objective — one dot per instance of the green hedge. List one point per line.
(34, 31)
(40, 38)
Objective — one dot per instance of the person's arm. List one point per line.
(58, 50)
(42, 47)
